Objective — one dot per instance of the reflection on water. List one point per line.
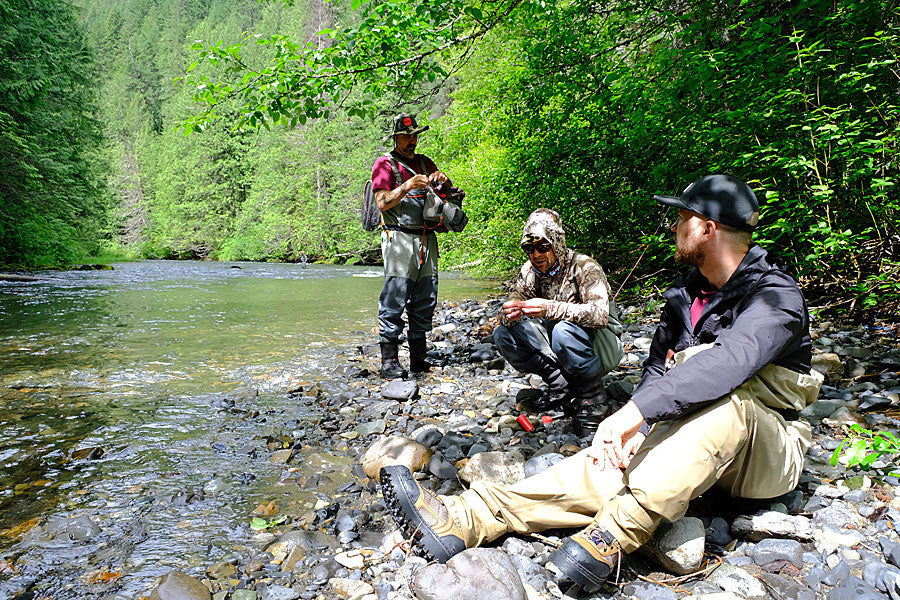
(135, 362)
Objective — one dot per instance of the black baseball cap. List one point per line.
(721, 198)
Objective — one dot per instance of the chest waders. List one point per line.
(410, 253)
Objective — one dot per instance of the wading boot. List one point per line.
(591, 406)
(554, 397)
(390, 363)
(420, 515)
(588, 557)
(419, 361)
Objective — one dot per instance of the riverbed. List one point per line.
(118, 394)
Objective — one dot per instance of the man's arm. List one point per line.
(522, 291)
(593, 311)
(772, 318)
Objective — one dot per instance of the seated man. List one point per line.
(569, 327)
(728, 371)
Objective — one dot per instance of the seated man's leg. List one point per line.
(573, 346)
(677, 462)
(526, 345)
(569, 494)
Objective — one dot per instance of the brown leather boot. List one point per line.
(588, 557)
(421, 515)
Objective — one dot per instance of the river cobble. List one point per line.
(833, 537)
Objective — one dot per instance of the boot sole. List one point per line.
(572, 561)
(400, 497)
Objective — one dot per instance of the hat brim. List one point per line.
(415, 131)
(671, 201)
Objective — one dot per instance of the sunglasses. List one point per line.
(543, 247)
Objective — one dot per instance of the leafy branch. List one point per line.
(862, 447)
(395, 47)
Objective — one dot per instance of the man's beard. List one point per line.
(689, 256)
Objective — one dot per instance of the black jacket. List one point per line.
(758, 317)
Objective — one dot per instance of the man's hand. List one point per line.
(535, 307)
(438, 177)
(416, 182)
(617, 437)
(512, 309)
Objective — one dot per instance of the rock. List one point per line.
(821, 409)
(772, 549)
(92, 453)
(542, 462)
(352, 559)
(280, 457)
(350, 588)
(718, 532)
(430, 436)
(839, 514)
(483, 573)
(737, 580)
(81, 528)
(310, 541)
(369, 427)
(678, 546)
(530, 572)
(442, 468)
(499, 467)
(455, 439)
(837, 574)
(828, 364)
(767, 524)
(220, 570)
(644, 590)
(399, 389)
(787, 588)
(395, 450)
(280, 592)
(873, 402)
(244, 595)
(854, 588)
(176, 585)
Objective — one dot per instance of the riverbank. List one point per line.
(832, 536)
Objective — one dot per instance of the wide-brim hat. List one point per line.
(405, 124)
(722, 198)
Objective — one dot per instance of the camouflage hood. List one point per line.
(545, 224)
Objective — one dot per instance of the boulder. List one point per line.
(395, 450)
(176, 585)
(769, 523)
(828, 364)
(678, 546)
(499, 467)
(350, 588)
(400, 389)
(772, 549)
(483, 573)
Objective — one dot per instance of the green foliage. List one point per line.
(392, 48)
(862, 447)
(51, 209)
(260, 524)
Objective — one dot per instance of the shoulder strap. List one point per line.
(398, 180)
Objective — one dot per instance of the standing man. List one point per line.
(409, 248)
(728, 373)
(559, 323)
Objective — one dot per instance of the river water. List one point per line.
(133, 367)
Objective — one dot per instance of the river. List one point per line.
(133, 367)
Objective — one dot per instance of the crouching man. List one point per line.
(728, 373)
(560, 324)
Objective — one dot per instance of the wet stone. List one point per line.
(644, 590)
(442, 468)
(176, 585)
(772, 549)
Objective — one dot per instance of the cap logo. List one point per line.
(753, 220)
(407, 121)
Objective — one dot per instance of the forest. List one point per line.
(244, 130)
